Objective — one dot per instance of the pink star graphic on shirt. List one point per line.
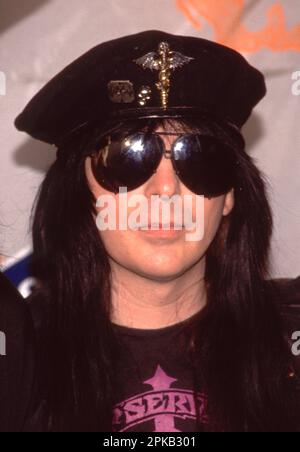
(160, 380)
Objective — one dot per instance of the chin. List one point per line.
(160, 271)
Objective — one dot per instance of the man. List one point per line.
(149, 330)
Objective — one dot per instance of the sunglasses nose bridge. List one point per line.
(167, 153)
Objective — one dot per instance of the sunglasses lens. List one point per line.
(127, 161)
(204, 164)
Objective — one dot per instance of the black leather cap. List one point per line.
(152, 73)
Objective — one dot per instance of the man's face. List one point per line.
(161, 255)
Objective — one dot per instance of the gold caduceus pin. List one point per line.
(164, 61)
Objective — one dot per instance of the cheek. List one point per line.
(213, 213)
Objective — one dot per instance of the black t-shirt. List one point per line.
(155, 391)
(18, 389)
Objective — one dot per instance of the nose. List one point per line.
(165, 180)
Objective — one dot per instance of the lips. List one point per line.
(162, 226)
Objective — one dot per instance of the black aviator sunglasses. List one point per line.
(203, 163)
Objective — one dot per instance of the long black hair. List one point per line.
(240, 356)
